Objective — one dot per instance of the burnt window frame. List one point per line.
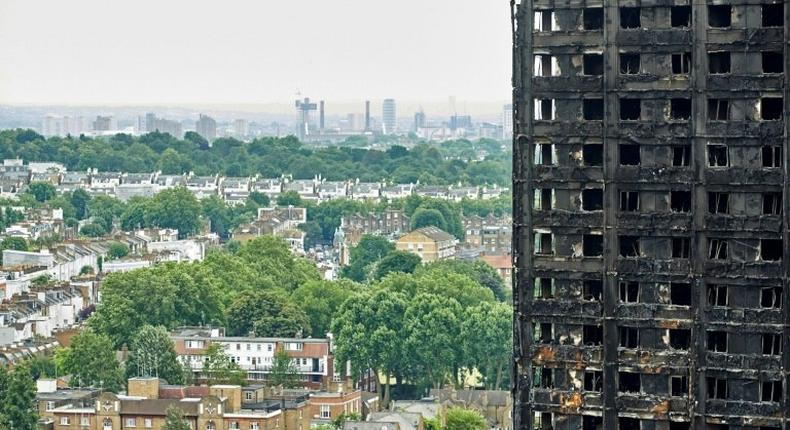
(718, 249)
(687, 12)
(680, 201)
(686, 296)
(593, 381)
(714, 159)
(628, 337)
(718, 296)
(597, 153)
(588, 109)
(772, 344)
(681, 248)
(772, 203)
(629, 291)
(540, 197)
(590, 56)
(627, 199)
(589, 192)
(628, 12)
(592, 290)
(763, 55)
(779, 101)
(624, 106)
(719, 110)
(726, 7)
(771, 391)
(722, 59)
(770, 295)
(586, 18)
(771, 256)
(763, 15)
(635, 241)
(717, 388)
(772, 156)
(681, 61)
(677, 113)
(681, 387)
(717, 341)
(628, 71)
(718, 203)
(681, 154)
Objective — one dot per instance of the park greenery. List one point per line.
(426, 326)
(440, 164)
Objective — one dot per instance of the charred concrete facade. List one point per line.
(651, 214)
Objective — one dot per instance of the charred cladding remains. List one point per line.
(651, 214)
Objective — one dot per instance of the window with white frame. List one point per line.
(148, 423)
(325, 411)
(131, 422)
(64, 421)
(85, 421)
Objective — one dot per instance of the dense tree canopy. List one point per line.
(153, 353)
(446, 163)
(90, 360)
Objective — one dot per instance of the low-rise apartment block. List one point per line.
(429, 243)
(314, 358)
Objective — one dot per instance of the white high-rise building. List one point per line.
(241, 128)
(389, 117)
(206, 127)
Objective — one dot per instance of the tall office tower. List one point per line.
(104, 123)
(651, 215)
(206, 127)
(419, 120)
(241, 128)
(389, 116)
(150, 122)
(321, 115)
(367, 115)
(507, 121)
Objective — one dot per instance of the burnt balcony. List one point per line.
(765, 223)
(555, 218)
(743, 176)
(575, 355)
(567, 174)
(653, 175)
(655, 221)
(563, 308)
(654, 39)
(763, 363)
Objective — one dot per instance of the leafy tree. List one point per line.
(175, 419)
(428, 217)
(19, 400)
(340, 420)
(175, 208)
(42, 191)
(369, 329)
(370, 249)
(289, 198)
(487, 333)
(153, 354)
(80, 200)
(397, 261)
(478, 271)
(220, 369)
(464, 419)
(62, 202)
(283, 371)
(320, 300)
(91, 362)
(104, 210)
(267, 314)
(93, 230)
(272, 259)
(218, 213)
(134, 216)
(117, 250)
(186, 294)
(432, 326)
(260, 199)
(41, 367)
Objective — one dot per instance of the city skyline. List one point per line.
(253, 53)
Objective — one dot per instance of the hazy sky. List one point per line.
(252, 51)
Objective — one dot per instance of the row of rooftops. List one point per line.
(14, 174)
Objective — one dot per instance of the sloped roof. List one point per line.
(436, 234)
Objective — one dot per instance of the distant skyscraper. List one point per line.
(104, 123)
(241, 128)
(321, 117)
(150, 122)
(460, 121)
(389, 116)
(367, 115)
(303, 109)
(206, 127)
(507, 121)
(419, 120)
